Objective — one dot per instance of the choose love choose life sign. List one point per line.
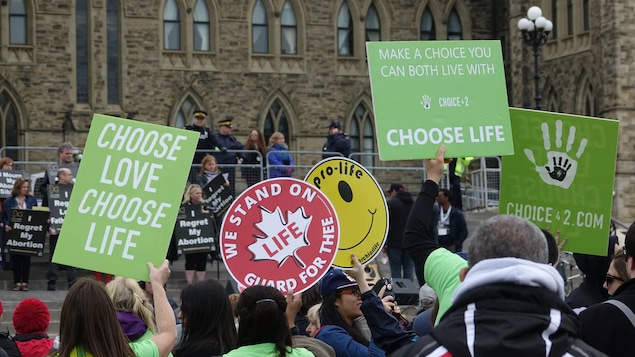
(126, 197)
(280, 232)
(429, 93)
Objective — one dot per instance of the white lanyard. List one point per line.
(445, 218)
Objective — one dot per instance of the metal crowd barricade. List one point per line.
(483, 184)
(240, 182)
(35, 160)
(406, 172)
(481, 187)
(303, 161)
(618, 229)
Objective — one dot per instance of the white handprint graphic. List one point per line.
(560, 168)
(425, 101)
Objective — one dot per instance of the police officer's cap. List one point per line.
(335, 124)
(200, 114)
(225, 122)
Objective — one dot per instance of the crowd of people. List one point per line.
(217, 153)
(499, 296)
(257, 159)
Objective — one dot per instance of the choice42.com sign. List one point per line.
(561, 176)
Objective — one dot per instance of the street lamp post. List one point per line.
(535, 29)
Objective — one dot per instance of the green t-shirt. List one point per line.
(143, 347)
(266, 350)
(441, 273)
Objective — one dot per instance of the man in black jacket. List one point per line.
(64, 177)
(401, 266)
(452, 227)
(610, 326)
(508, 302)
(337, 141)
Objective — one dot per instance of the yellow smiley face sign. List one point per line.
(360, 206)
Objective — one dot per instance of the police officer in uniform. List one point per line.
(226, 141)
(337, 141)
(206, 141)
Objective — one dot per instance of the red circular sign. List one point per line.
(280, 232)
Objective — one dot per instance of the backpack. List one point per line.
(7, 343)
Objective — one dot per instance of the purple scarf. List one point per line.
(132, 325)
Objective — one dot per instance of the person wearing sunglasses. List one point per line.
(348, 297)
(610, 326)
(339, 311)
(617, 274)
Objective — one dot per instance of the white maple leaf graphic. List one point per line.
(281, 237)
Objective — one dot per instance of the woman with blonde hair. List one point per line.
(134, 311)
(314, 320)
(195, 263)
(89, 326)
(281, 163)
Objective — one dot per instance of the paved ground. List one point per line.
(54, 299)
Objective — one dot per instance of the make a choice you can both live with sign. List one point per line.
(439, 92)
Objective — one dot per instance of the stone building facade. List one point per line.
(586, 68)
(285, 65)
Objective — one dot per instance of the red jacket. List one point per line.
(36, 347)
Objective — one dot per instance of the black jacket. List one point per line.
(253, 158)
(337, 143)
(458, 230)
(509, 319)
(206, 141)
(605, 327)
(505, 320)
(398, 210)
(591, 290)
(228, 142)
(418, 240)
(209, 348)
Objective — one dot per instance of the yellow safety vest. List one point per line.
(461, 164)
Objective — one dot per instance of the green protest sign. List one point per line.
(126, 197)
(562, 176)
(429, 93)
